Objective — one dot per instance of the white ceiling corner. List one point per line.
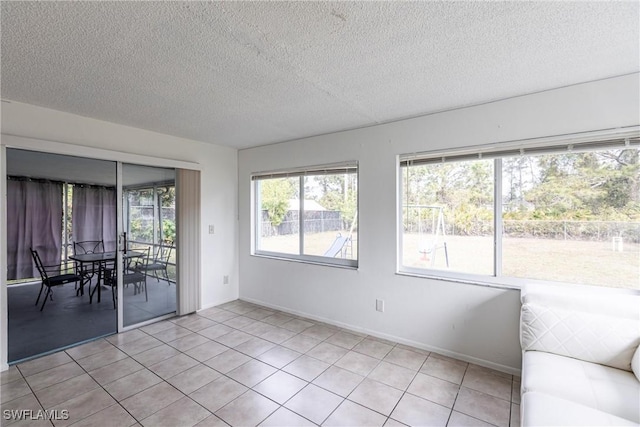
(250, 73)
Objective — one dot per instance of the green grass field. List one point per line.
(314, 244)
(574, 261)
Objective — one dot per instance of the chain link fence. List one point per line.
(314, 222)
(596, 231)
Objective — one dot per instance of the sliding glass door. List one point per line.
(61, 211)
(148, 250)
(71, 276)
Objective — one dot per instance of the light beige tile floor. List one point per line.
(241, 364)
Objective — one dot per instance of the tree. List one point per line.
(167, 203)
(463, 189)
(517, 177)
(335, 192)
(275, 195)
(600, 185)
(586, 186)
(168, 230)
(622, 186)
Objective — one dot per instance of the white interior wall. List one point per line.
(64, 133)
(471, 322)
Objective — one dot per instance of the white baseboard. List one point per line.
(464, 357)
(216, 304)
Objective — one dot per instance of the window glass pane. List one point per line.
(167, 198)
(141, 215)
(573, 217)
(330, 215)
(167, 204)
(448, 216)
(278, 221)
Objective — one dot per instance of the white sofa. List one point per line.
(581, 362)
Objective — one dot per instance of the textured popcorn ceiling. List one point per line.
(249, 73)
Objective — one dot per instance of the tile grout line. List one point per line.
(457, 393)
(350, 393)
(102, 387)
(280, 369)
(232, 379)
(141, 391)
(352, 349)
(251, 357)
(106, 391)
(85, 371)
(165, 379)
(32, 392)
(404, 392)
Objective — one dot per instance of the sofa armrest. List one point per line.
(593, 299)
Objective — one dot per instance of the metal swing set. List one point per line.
(431, 232)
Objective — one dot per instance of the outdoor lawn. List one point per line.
(574, 261)
(314, 243)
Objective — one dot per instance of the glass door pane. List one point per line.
(149, 221)
(61, 212)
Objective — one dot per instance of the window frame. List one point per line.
(351, 167)
(588, 141)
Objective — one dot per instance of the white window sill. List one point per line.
(517, 283)
(312, 261)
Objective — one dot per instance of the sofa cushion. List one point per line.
(539, 409)
(604, 339)
(606, 389)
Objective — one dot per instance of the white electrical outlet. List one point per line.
(225, 280)
(211, 229)
(380, 305)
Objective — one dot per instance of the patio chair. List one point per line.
(51, 276)
(87, 271)
(160, 262)
(133, 274)
(109, 278)
(88, 247)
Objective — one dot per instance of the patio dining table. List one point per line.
(94, 260)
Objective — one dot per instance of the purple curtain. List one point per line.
(94, 215)
(34, 220)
